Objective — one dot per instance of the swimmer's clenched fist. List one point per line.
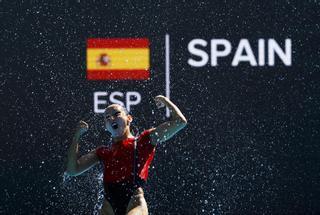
(161, 101)
(82, 128)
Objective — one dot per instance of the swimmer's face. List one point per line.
(117, 121)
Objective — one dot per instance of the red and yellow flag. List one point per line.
(118, 59)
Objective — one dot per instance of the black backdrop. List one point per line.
(252, 142)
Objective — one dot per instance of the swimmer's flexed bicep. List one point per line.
(166, 130)
(87, 161)
(84, 163)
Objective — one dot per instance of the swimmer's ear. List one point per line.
(130, 119)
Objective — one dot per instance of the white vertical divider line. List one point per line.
(167, 39)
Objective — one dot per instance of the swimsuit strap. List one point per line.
(135, 163)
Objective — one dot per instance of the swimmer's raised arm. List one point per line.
(77, 166)
(166, 130)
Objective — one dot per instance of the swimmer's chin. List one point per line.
(118, 134)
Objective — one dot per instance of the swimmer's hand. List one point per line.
(161, 101)
(81, 128)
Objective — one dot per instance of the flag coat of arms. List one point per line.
(118, 59)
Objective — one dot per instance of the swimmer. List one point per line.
(126, 161)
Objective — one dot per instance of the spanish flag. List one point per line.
(118, 59)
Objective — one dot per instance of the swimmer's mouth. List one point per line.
(114, 125)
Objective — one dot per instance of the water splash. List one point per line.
(100, 196)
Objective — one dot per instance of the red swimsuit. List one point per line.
(118, 159)
(118, 174)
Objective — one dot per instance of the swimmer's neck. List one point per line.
(127, 134)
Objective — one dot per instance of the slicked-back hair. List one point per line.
(124, 109)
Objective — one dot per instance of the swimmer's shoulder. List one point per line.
(102, 150)
(145, 136)
(146, 133)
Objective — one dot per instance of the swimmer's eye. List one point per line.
(108, 117)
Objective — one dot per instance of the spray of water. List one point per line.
(100, 196)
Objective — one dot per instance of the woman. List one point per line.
(127, 160)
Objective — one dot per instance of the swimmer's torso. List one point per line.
(118, 159)
(121, 194)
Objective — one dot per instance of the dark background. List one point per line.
(252, 142)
